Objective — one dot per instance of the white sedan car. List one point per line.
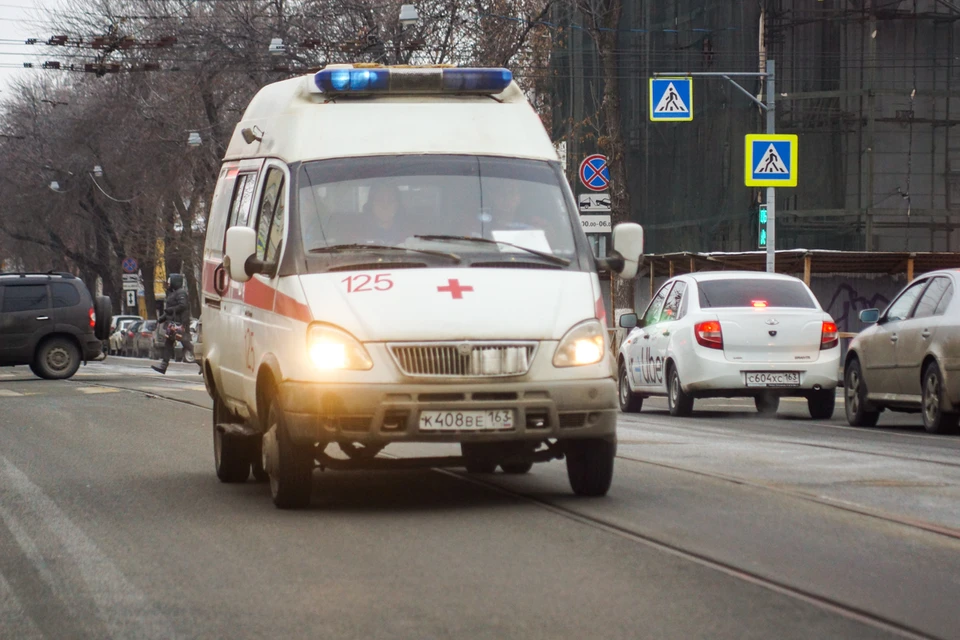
(731, 334)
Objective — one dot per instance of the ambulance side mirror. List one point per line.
(627, 250)
(241, 246)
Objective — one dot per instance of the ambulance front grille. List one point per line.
(464, 359)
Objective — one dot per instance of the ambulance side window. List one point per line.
(270, 217)
(240, 205)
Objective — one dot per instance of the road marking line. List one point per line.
(9, 393)
(15, 620)
(122, 607)
(28, 547)
(90, 391)
(172, 387)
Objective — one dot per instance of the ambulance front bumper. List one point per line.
(386, 413)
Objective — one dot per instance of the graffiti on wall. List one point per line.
(846, 303)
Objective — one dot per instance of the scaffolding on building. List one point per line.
(871, 86)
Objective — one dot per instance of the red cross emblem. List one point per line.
(454, 289)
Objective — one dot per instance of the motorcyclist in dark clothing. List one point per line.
(176, 314)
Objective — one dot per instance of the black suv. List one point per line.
(50, 322)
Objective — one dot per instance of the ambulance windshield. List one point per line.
(397, 200)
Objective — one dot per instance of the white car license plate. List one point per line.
(773, 378)
(485, 420)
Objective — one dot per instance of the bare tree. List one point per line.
(146, 73)
(602, 19)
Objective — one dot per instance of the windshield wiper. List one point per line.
(546, 256)
(343, 248)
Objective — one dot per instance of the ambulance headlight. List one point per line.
(583, 344)
(330, 349)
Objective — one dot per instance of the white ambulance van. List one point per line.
(393, 255)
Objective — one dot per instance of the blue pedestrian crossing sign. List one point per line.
(671, 99)
(770, 160)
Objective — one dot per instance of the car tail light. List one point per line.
(93, 318)
(829, 338)
(709, 334)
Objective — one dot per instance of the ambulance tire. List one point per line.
(590, 466)
(475, 460)
(256, 462)
(517, 468)
(230, 458)
(291, 478)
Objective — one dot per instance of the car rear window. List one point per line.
(64, 295)
(25, 297)
(754, 292)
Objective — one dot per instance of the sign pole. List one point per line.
(769, 106)
(771, 191)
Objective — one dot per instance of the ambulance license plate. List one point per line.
(485, 420)
(773, 378)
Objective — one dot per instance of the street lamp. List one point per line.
(409, 15)
(408, 19)
(276, 47)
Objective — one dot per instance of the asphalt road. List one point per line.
(723, 525)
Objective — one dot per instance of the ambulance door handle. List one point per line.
(248, 313)
(646, 336)
(43, 317)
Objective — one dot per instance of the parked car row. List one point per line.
(765, 336)
(138, 338)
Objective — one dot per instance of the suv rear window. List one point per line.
(64, 295)
(25, 297)
(754, 292)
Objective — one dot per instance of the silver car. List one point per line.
(910, 359)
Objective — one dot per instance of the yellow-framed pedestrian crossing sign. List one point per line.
(770, 160)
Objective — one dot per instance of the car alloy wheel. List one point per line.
(935, 419)
(852, 390)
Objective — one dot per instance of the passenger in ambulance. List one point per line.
(385, 215)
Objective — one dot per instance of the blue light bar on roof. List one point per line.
(412, 81)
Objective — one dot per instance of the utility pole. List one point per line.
(771, 191)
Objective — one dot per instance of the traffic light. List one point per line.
(762, 227)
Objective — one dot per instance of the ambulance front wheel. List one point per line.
(229, 455)
(288, 464)
(590, 465)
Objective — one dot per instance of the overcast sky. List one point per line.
(19, 21)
